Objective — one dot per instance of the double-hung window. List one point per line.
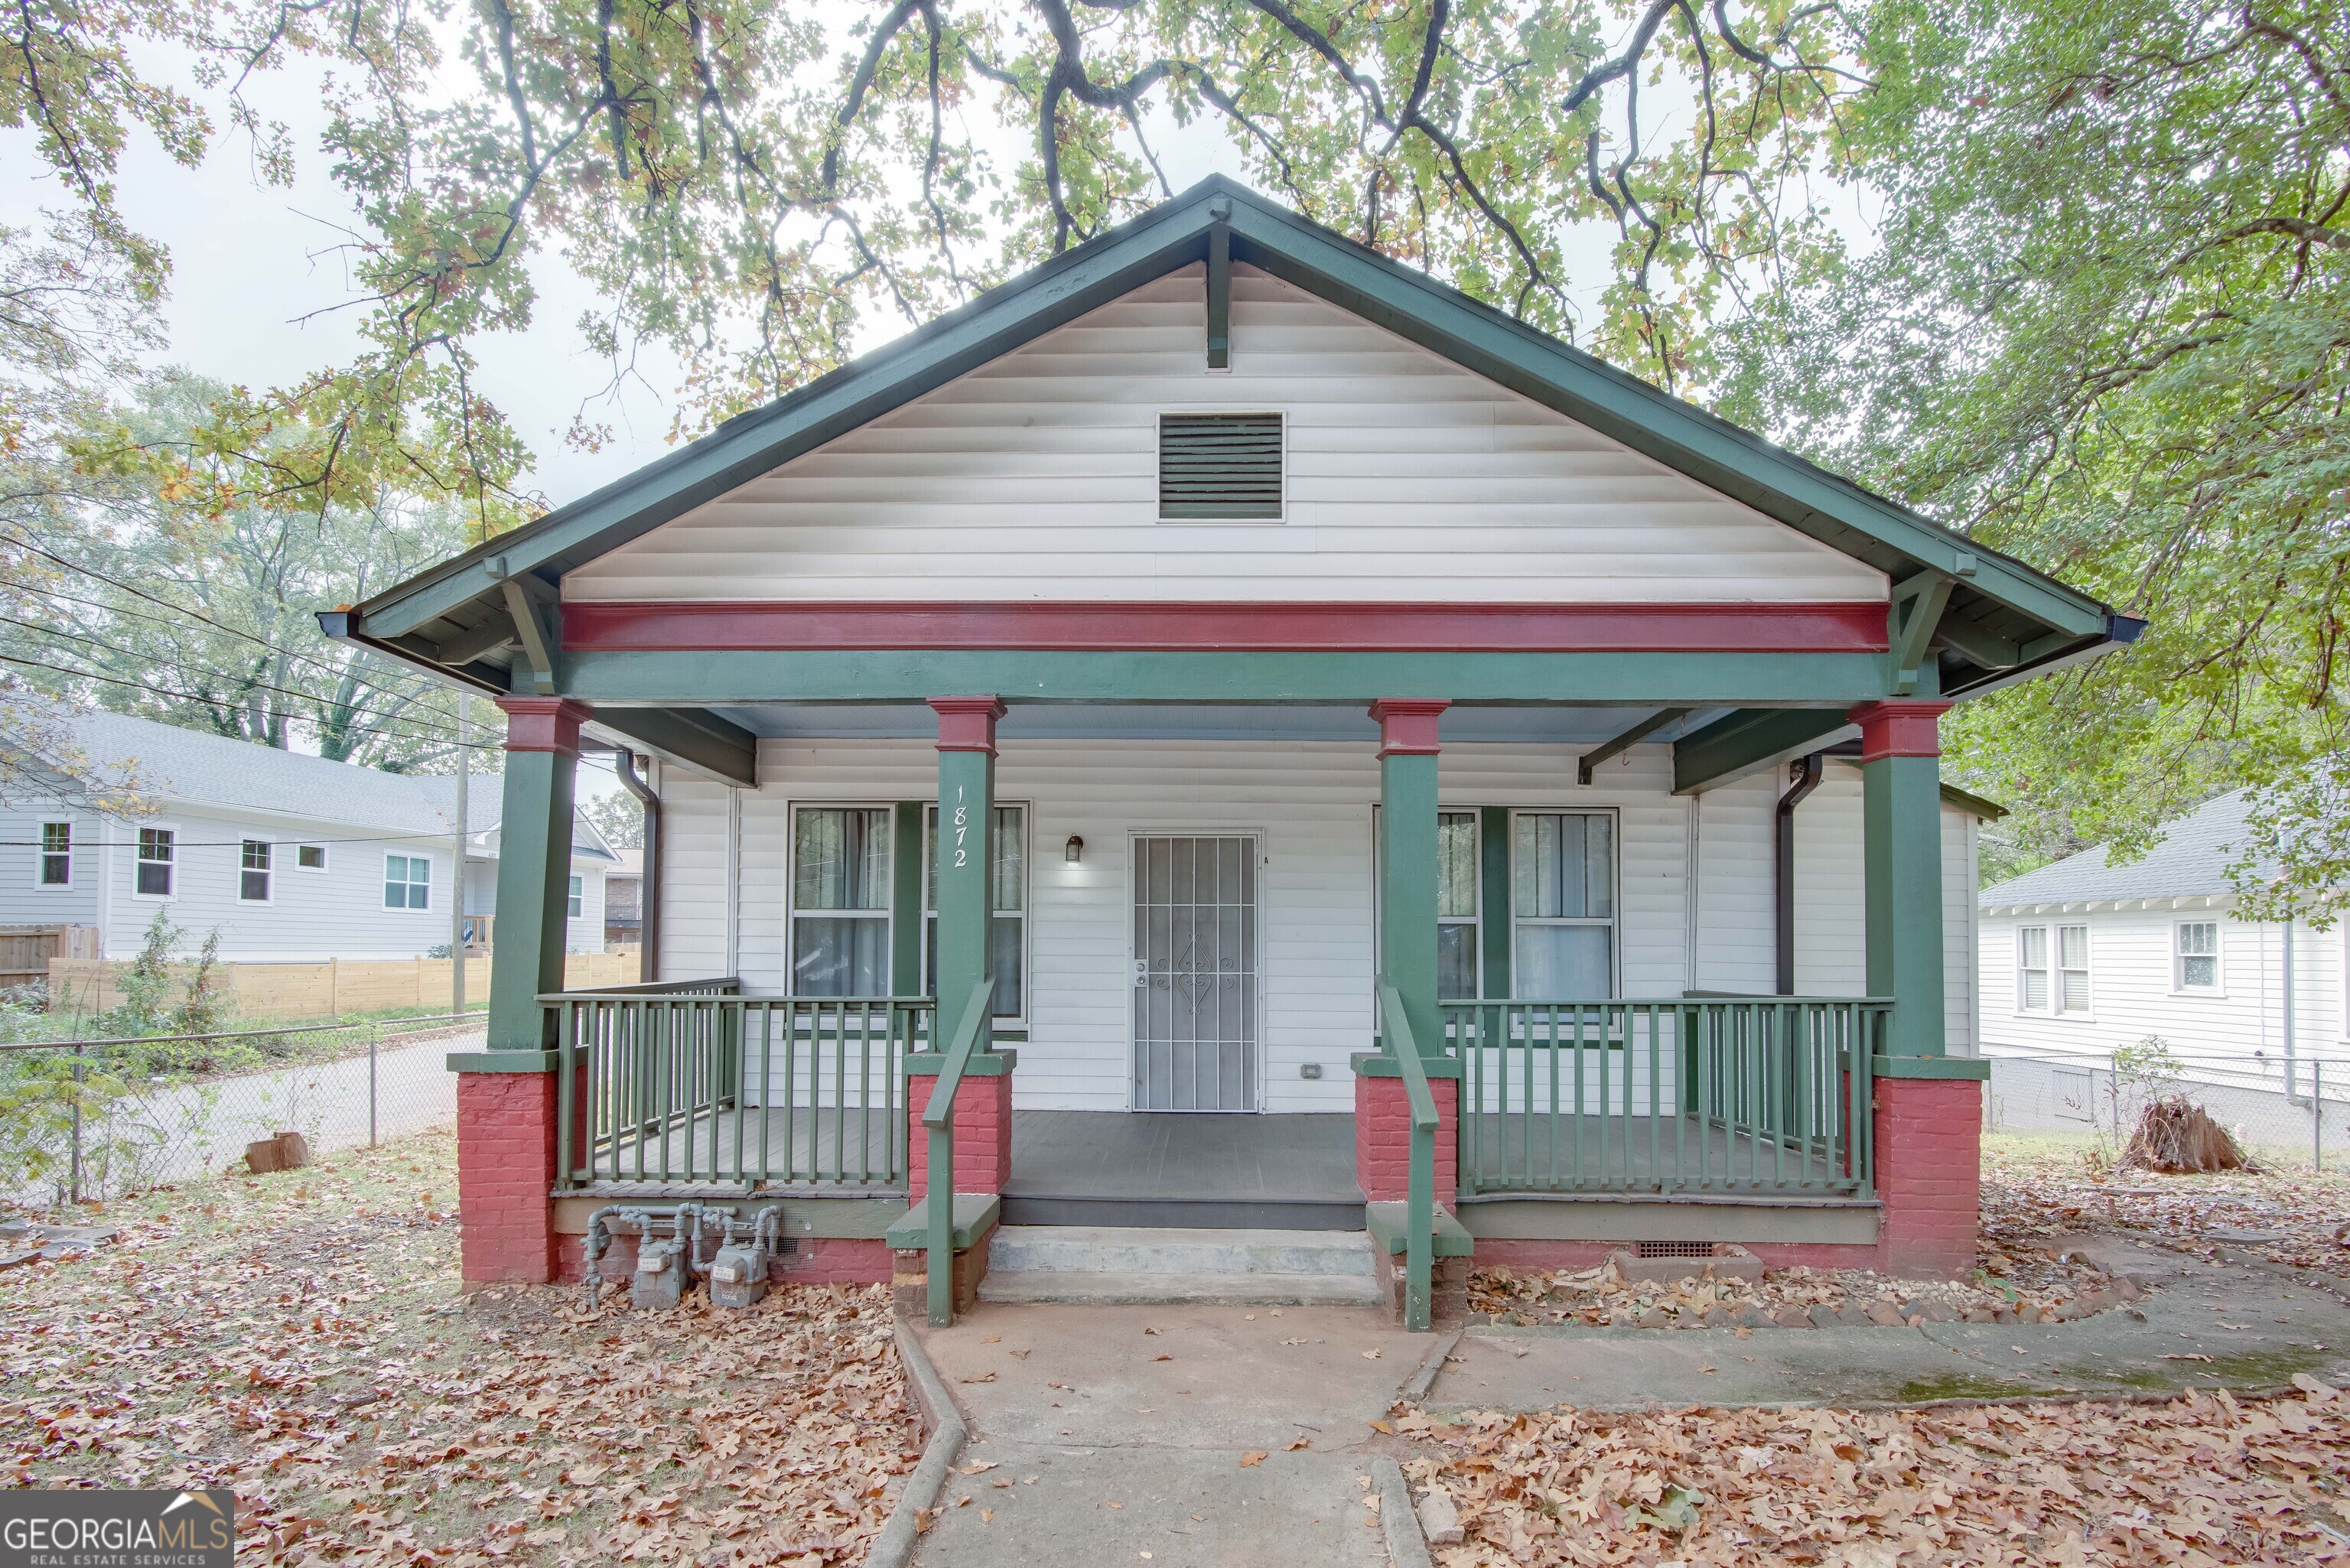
(157, 847)
(2032, 991)
(1563, 905)
(1456, 906)
(2196, 965)
(840, 900)
(252, 871)
(407, 882)
(57, 854)
(2072, 969)
(575, 898)
(1007, 885)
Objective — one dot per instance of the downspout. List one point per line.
(624, 767)
(1806, 773)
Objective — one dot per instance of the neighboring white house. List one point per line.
(2082, 957)
(290, 857)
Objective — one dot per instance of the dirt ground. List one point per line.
(300, 1339)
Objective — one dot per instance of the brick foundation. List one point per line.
(1383, 1139)
(505, 1168)
(983, 1134)
(910, 1279)
(1448, 1293)
(816, 1260)
(1929, 1176)
(1529, 1255)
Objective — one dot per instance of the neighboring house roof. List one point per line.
(2191, 862)
(632, 863)
(177, 766)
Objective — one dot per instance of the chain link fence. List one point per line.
(2283, 1111)
(91, 1119)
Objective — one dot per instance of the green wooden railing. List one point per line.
(1419, 1191)
(1707, 1095)
(687, 1081)
(938, 1124)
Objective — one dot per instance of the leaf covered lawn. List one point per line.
(300, 1339)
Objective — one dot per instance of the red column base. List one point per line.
(983, 1134)
(1929, 1176)
(506, 1168)
(1383, 1139)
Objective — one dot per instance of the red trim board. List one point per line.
(1152, 626)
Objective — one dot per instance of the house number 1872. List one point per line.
(962, 825)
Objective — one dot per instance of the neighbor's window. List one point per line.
(1456, 906)
(1563, 895)
(840, 901)
(1220, 466)
(575, 897)
(2032, 969)
(2199, 955)
(1007, 889)
(407, 882)
(252, 871)
(155, 850)
(310, 856)
(2073, 968)
(57, 854)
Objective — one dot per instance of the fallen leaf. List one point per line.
(1104, 1505)
(1375, 1426)
(1249, 1460)
(1289, 1449)
(975, 1377)
(985, 1339)
(1154, 1359)
(979, 1468)
(986, 1515)
(1367, 1356)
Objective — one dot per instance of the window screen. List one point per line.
(57, 854)
(2199, 955)
(155, 850)
(1220, 465)
(252, 871)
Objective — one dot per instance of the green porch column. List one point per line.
(1901, 836)
(906, 899)
(534, 867)
(1407, 862)
(966, 823)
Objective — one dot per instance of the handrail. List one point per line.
(938, 1116)
(722, 985)
(1419, 1194)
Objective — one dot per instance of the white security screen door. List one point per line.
(1195, 974)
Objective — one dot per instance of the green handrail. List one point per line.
(938, 1118)
(1420, 1206)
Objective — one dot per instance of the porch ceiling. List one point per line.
(1551, 724)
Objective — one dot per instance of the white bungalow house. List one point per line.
(290, 857)
(1224, 730)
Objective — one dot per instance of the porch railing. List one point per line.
(1747, 1095)
(689, 1081)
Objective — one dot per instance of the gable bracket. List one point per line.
(1219, 287)
(1910, 620)
(1625, 741)
(538, 643)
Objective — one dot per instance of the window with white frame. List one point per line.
(1008, 902)
(157, 847)
(57, 855)
(309, 858)
(2072, 969)
(1563, 905)
(407, 882)
(2032, 969)
(575, 898)
(1456, 906)
(2197, 947)
(840, 900)
(252, 871)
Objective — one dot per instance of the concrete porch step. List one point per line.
(1104, 1264)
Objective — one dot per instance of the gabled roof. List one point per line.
(2004, 617)
(2191, 862)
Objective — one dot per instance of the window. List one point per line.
(1563, 900)
(154, 873)
(1220, 467)
(57, 854)
(1007, 887)
(253, 872)
(2197, 966)
(840, 901)
(1456, 906)
(575, 897)
(407, 882)
(2073, 968)
(309, 858)
(2032, 969)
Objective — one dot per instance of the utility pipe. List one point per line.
(624, 767)
(1806, 776)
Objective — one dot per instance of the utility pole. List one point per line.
(457, 863)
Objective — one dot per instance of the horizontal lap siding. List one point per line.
(1035, 477)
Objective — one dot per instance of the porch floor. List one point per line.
(1187, 1168)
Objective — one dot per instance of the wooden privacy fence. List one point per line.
(327, 989)
(25, 951)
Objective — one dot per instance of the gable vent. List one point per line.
(1220, 465)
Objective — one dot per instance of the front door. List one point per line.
(1195, 973)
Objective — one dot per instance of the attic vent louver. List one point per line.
(1220, 465)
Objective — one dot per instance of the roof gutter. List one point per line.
(2121, 630)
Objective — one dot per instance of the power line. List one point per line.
(189, 697)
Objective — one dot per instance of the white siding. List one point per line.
(1959, 915)
(23, 900)
(1035, 477)
(1737, 912)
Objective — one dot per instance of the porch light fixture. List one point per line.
(1075, 850)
